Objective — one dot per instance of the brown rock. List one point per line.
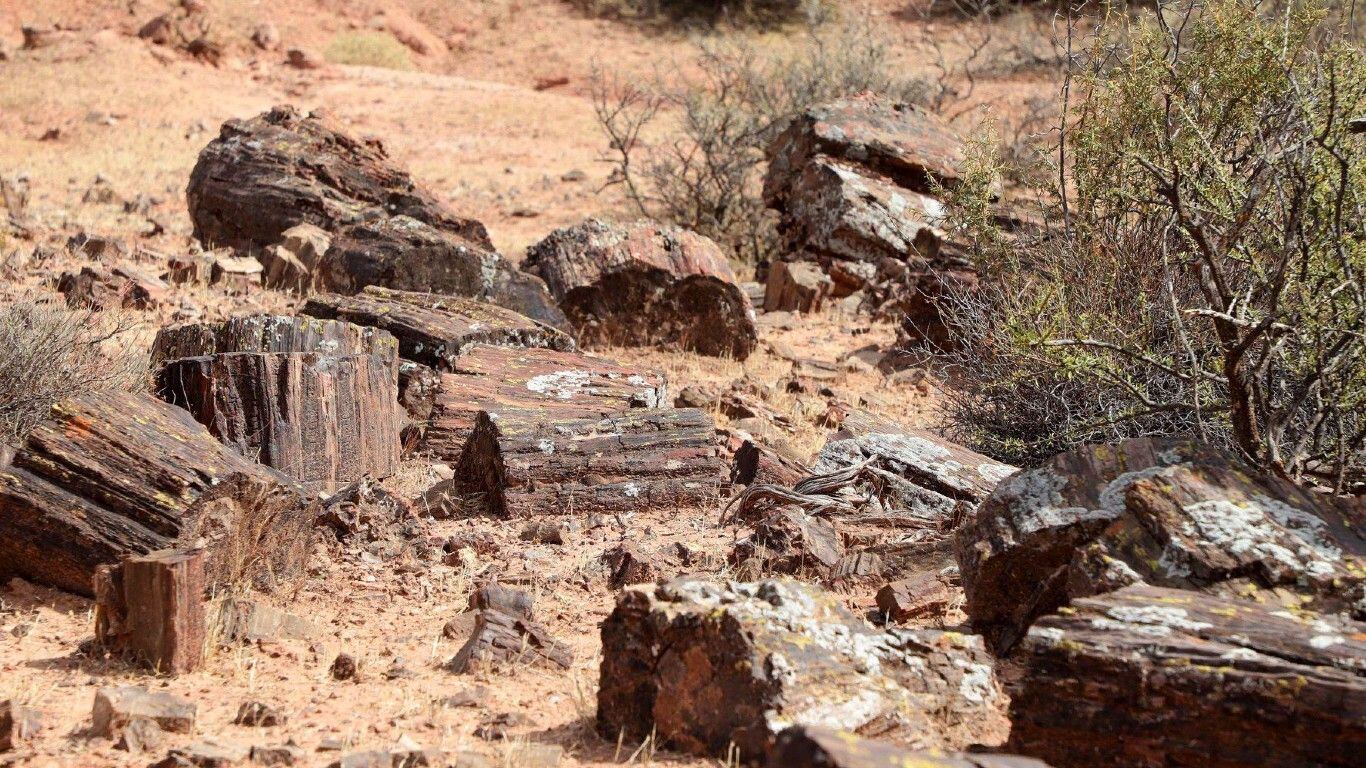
(258, 715)
(710, 668)
(112, 475)
(238, 274)
(435, 330)
(344, 667)
(795, 286)
(293, 263)
(152, 608)
(40, 37)
(523, 464)
(141, 734)
(504, 633)
(364, 510)
(18, 725)
(103, 288)
(252, 621)
(404, 253)
(756, 464)
(278, 755)
(816, 747)
(116, 707)
(263, 176)
(635, 563)
(924, 595)
(790, 541)
(266, 36)
(325, 421)
(556, 384)
(205, 754)
(305, 58)
(1148, 677)
(644, 284)
(1168, 512)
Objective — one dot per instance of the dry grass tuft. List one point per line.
(369, 49)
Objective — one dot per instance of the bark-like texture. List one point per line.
(325, 421)
(406, 254)
(816, 747)
(703, 666)
(526, 463)
(152, 608)
(557, 385)
(112, 475)
(273, 333)
(644, 284)
(281, 168)
(1147, 677)
(1167, 512)
(433, 329)
(505, 633)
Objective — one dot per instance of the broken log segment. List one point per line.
(325, 421)
(433, 329)
(111, 475)
(1147, 677)
(526, 463)
(644, 284)
(561, 384)
(272, 333)
(152, 608)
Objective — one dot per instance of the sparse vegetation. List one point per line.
(49, 353)
(1201, 269)
(765, 13)
(707, 175)
(369, 49)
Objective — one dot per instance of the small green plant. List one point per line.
(369, 49)
(1200, 271)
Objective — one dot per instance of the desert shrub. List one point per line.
(1201, 269)
(49, 353)
(707, 174)
(710, 12)
(369, 49)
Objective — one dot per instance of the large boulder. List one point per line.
(707, 668)
(265, 175)
(1167, 512)
(642, 284)
(1146, 677)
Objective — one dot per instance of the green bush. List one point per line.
(1202, 267)
(369, 49)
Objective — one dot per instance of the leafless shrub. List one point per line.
(49, 353)
(764, 13)
(707, 175)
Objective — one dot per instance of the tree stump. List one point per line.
(152, 608)
(263, 176)
(272, 333)
(325, 421)
(644, 284)
(112, 475)
(526, 463)
(434, 329)
(562, 385)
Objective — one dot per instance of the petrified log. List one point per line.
(116, 708)
(524, 463)
(112, 475)
(433, 329)
(264, 175)
(643, 284)
(505, 633)
(1148, 677)
(795, 286)
(803, 746)
(405, 254)
(1167, 512)
(903, 142)
(709, 667)
(272, 333)
(152, 608)
(322, 420)
(562, 385)
(922, 596)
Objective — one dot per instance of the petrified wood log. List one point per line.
(152, 608)
(708, 668)
(272, 333)
(322, 420)
(112, 475)
(405, 254)
(562, 385)
(803, 746)
(433, 329)
(264, 175)
(1167, 512)
(643, 284)
(1147, 677)
(524, 463)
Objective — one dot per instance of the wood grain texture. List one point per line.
(152, 609)
(272, 333)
